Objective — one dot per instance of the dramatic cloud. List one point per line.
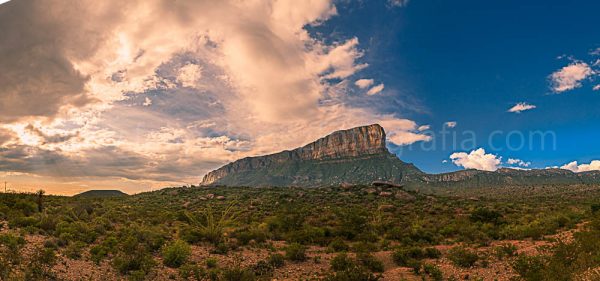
(476, 159)
(450, 124)
(518, 162)
(570, 77)
(364, 83)
(150, 93)
(573, 166)
(522, 106)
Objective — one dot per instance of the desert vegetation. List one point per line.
(329, 233)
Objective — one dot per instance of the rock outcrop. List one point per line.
(355, 156)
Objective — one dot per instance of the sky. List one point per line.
(143, 94)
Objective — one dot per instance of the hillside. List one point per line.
(101, 193)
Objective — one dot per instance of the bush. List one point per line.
(238, 274)
(40, 265)
(295, 252)
(176, 254)
(407, 256)
(434, 272)
(338, 245)
(276, 260)
(74, 250)
(462, 257)
(353, 273)
(432, 253)
(192, 272)
(211, 263)
(341, 262)
(263, 269)
(485, 215)
(529, 268)
(370, 262)
(505, 250)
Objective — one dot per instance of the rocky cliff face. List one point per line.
(333, 159)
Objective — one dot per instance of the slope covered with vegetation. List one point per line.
(333, 233)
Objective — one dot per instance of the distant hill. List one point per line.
(354, 156)
(101, 193)
(359, 156)
(504, 177)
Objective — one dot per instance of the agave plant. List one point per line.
(212, 225)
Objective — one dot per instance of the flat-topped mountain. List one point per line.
(355, 156)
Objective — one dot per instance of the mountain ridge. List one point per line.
(359, 156)
(355, 156)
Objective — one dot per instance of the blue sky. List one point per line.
(470, 61)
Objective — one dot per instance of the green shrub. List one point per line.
(139, 263)
(341, 262)
(505, 250)
(40, 265)
(98, 253)
(176, 254)
(237, 273)
(407, 256)
(432, 253)
(276, 260)
(433, 271)
(462, 257)
(192, 272)
(353, 273)
(530, 268)
(295, 252)
(485, 215)
(370, 262)
(211, 262)
(73, 251)
(338, 245)
(262, 269)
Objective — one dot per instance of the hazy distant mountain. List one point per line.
(359, 156)
(354, 156)
(504, 176)
(102, 193)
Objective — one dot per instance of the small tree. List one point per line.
(40, 199)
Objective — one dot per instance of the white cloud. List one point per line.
(424, 128)
(375, 90)
(398, 3)
(476, 159)
(573, 166)
(147, 102)
(570, 77)
(596, 88)
(522, 106)
(518, 162)
(363, 83)
(189, 74)
(595, 52)
(450, 124)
